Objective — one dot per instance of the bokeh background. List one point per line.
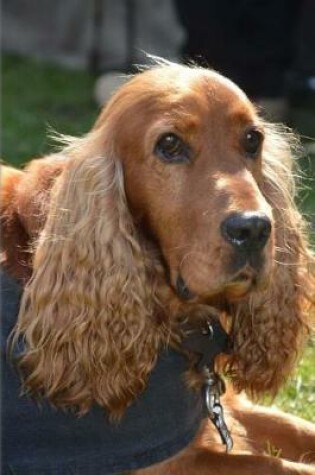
(62, 59)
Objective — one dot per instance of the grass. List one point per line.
(298, 397)
(37, 96)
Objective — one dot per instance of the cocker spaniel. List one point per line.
(175, 209)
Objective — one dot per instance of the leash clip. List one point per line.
(214, 388)
(208, 343)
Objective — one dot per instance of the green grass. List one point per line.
(306, 200)
(298, 397)
(37, 96)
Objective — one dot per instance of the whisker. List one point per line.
(182, 246)
(287, 264)
(187, 255)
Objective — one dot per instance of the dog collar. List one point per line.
(208, 342)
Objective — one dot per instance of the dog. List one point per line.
(176, 209)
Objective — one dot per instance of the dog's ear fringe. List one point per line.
(270, 328)
(87, 314)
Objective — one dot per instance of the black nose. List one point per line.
(249, 230)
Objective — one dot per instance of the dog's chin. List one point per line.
(232, 289)
(242, 285)
(238, 290)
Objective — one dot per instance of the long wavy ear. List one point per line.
(270, 328)
(86, 317)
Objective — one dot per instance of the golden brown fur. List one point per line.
(112, 227)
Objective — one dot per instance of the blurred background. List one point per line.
(62, 59)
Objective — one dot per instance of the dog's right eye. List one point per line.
(172, 149)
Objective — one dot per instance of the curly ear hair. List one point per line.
(270, 327)
(86, 316)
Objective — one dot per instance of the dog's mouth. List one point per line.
(237, 287)
(241, 285)
(182, 289)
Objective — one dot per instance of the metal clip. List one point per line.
(214, 388)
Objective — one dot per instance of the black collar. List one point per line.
(207, 342)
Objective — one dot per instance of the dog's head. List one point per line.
(192, 147)
(180, 193)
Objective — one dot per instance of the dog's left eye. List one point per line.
(252, 141)
(172, 149)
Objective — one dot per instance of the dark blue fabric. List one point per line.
(39, 440)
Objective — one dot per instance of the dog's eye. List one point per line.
(172, 149)
(252, 141)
